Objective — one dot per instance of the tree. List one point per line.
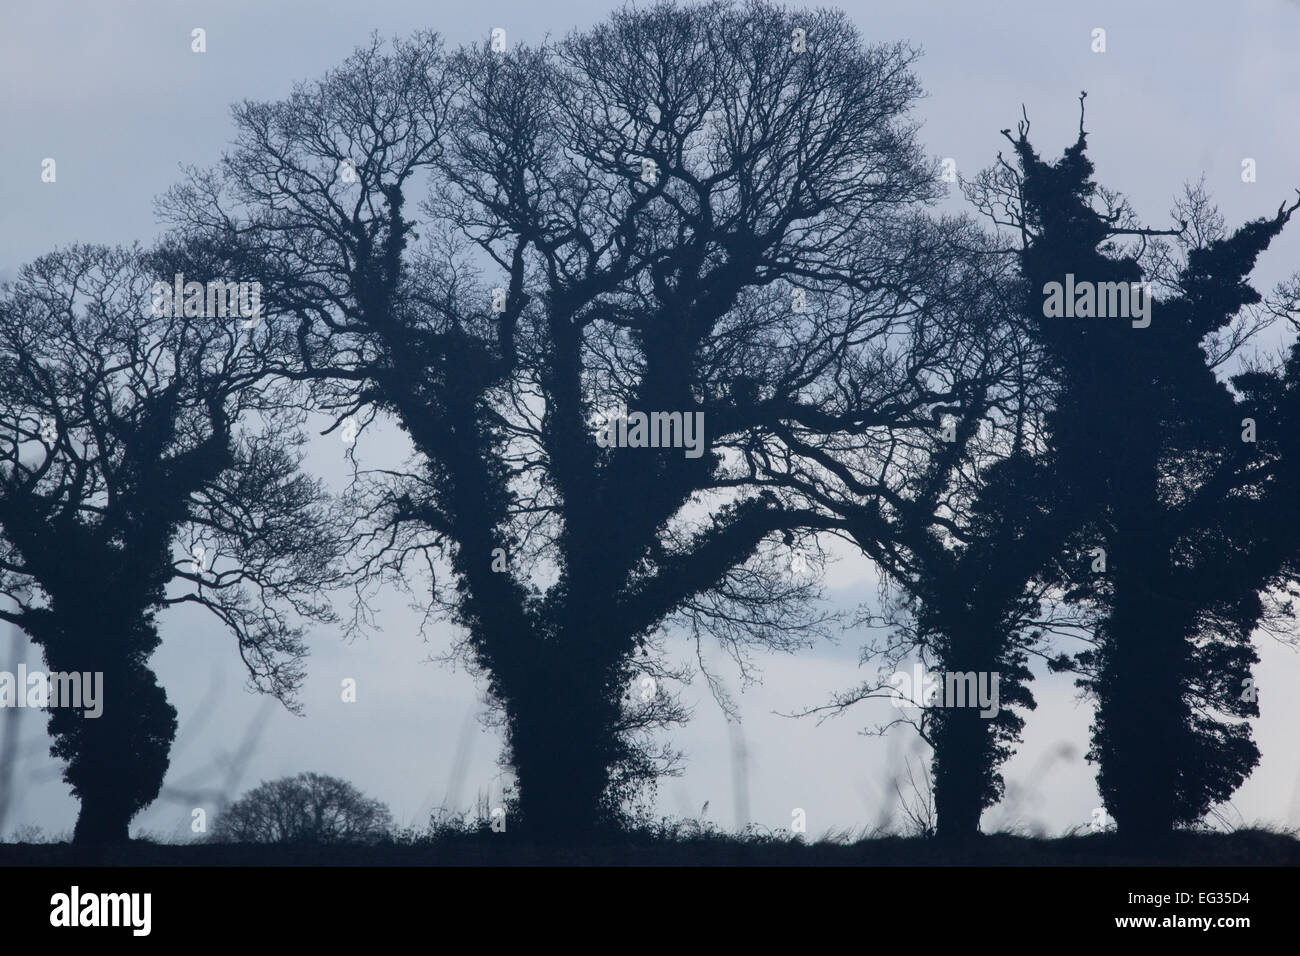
(960, 528)
(309, 808)
(683, 213)
(125, 436)
(978, 530)
(1148, 445)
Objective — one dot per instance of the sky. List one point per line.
(113, 93)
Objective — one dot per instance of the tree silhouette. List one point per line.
(977, 526)
(977, 607)
(125, 436)
(684, 212)
(961, 529)
(310, 808)
(1148, 445)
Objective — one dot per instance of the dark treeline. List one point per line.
(719, 221)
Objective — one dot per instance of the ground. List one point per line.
(1247, 847)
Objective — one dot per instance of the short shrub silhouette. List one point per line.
(310, 808)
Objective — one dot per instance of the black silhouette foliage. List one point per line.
(1148, 446)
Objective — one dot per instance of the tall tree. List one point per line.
(145, 462)
(976, 535)
(1149, 445)
(707, 212)
(960, 529)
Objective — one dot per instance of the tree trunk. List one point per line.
(102, 820)
(116, 761)
(961, 752)
(1142, 724)
(562, 747)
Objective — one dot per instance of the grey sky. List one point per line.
(113, 93)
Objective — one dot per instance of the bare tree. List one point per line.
(959, 520)
(709, 214)
(308, 808)
(145, 462)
